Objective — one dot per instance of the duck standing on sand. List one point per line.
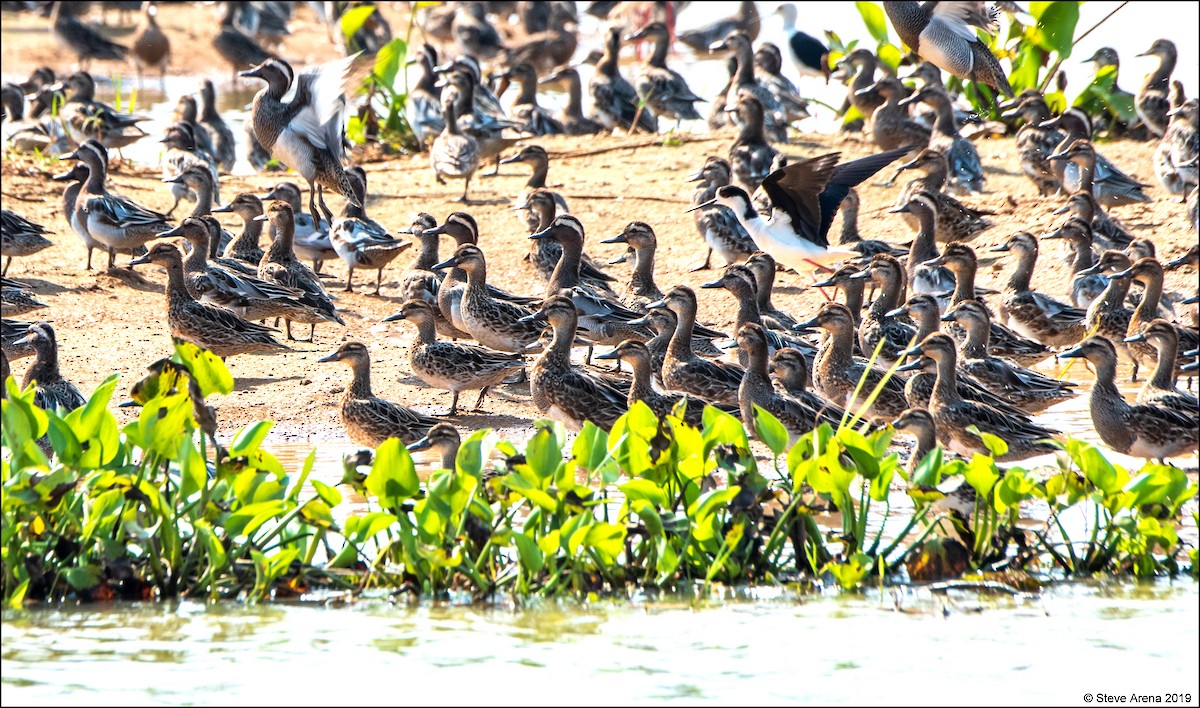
(307, 132)
(368, 419)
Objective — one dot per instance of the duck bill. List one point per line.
(902, 209)
(802, 326)
(714, 284)
(511, 159)
(1053, 235)
(544, 233)
(535, 318)
(332, 357)
(422, 444)
(1073, 353)
(912, 365)
(861, 275)
(656, 303)
(1123, 274)
(898, 312)
(697, 176)
(448, 263)
(619, 238)
(394, 318)
(608, 356)
(171, 233)
(140, 261)
(1062, 209)
(227, 209)
(255, 73)
(1139, 337)
(1002, 248)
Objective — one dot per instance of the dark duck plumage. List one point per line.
(614, 99)
(663, 90)
(368, 419)
(943, 33)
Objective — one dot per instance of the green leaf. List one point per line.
(543, 452)
(649, 515)
(531, 557)
(209, 372)
(83, 578)
(607, 539)
(721, 428)
(874, 19)
(889, 55)
(393, 478)
(328, 494)
(1055, 29)
(994, 443)
(768, 429)
(981, 474)
(645, 489)
(929, 470)
(850, 574)
(472, 452)
(1104, 475)
(590, 452)
(249, 438)
(248, 519)
(1015, 488)
(353, 19)
(192, 470)
(389, 60)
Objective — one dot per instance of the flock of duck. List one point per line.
(934, 357)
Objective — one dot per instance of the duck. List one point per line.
(20, 237)
(807, 52)
(718, 226)
(550, 40)
(536, 157)
(445, 440)
(601, 314)
(798, 416)
(740, 282)
(924, 277)
(852, 239)
(207, 326)
(117, 223)
(1110, 188)
(1175, 156)
(239, 50)
(530, 117)
(279, 266)
(36, 134)
(1085, 289)
(560, 391)
(847, 380)
(1160, 387)
(368, 419)
(15, 300)
(76, 177)
(449, 366)
(751, 156)
(305, 133)
(945, 36)
(1153, 100)
(478, 106)
(746, 20)
(454, 153)
(682, 369)
(1147, 430)
(718, 117)
(1032, 314)
(953, 415)
(473, 34)
(1025, 388)
(790, 370)
(744, 82)
(494, 323)
(768, 62)
(1109, 230)
(955, 220)
(762, 266)
(1036, 143)
(245, 246)
(1108, 316)
(663, 323)
(360, 241)
(85, 117)
(311, 238)
(1107, 69)
(573, 120)
(665, 92)
(152, 46)
(53, 391)
(423, 109)
(224, 144)
(182, 154)
(641, 363)
(862, 92)
(545, 253)
(463, 228)
(880, 334)
(421, 282)
(1149, 272)
(247, 296)
(919, 423)
(1003, 342)
(643, 243)
(614, 99)
(85, 43)
(853, 289)
(966, 171)
(890, 125)
(804, 196)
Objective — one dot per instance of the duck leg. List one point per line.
(324, 207)
(7, 263)
(479, 401)
(706, 265)
(466, 186)
(89, 260)
(453, 404)
(312, 202)
(350, 280)
(112, 258)
(378, 280)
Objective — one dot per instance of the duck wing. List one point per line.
(320, 97)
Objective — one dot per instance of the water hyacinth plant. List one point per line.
(158, 509)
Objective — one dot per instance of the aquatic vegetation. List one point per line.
(159, 509)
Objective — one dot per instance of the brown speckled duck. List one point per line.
(368, 419)
(1033, 314)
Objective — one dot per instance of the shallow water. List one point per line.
(774, 648)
